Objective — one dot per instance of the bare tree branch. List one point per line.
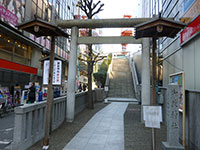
(96, 56)
(82, 59)
(99, 59)
(95, 5)
(88, 4)
(100, 9)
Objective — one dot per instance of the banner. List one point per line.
(12, 11)
(57, 71)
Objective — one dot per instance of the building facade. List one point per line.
(19, 49)
(181, 54)
(178, 56)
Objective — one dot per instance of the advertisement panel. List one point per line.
(190, 30)
(12, 11)
(187, 4)
(189, 10)
(57, 71)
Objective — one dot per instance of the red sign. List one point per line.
(17, 67)
(190, 30)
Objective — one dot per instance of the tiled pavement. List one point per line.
(104, 131)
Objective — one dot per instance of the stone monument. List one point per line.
(172, 120)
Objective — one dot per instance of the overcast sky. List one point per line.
(117, 9)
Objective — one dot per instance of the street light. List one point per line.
(158, 27)
(46, 29)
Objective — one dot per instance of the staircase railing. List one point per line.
(134, 77)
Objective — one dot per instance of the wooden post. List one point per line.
(154, 72)
(49, 96)
(154, 88)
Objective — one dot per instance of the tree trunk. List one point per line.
(90, 71)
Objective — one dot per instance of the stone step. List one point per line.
(121, 84)
(117, 99)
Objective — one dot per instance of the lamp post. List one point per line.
(49, 96)
(40, 28)
(158, 27)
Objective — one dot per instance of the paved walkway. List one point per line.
(104, 131)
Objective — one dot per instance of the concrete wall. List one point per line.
(191, 63)
(187, 60)
(36, 55)
(30, 118)
(192, 120)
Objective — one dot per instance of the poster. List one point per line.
(57, 71)
(178, 79)
(12, 11)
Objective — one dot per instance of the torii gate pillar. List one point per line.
(71, 85)
(145, 96)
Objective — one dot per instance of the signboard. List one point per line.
(152, 116)
(12, 11)
(8, 16)
(57, 71)
(187, 4)
(178, 79)
(17, 67)
(189, 10)
(106, 88)
(190, 30)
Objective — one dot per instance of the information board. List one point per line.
(152, 116)
(178, 79)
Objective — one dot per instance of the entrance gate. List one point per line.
(102, 23)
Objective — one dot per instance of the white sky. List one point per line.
(117, 9)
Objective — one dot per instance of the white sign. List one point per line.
(57, 70)
(152, 116)
(106, 88)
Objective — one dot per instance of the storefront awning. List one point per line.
(5, 64)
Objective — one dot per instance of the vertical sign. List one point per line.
(57, 70)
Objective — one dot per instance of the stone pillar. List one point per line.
(145, 73)
(19, 130)
(172, 120)
(71, 85)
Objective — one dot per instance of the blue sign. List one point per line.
(188, 4)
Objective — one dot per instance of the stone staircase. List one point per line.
(121, 84)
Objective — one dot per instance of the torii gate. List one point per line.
(103, 23)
